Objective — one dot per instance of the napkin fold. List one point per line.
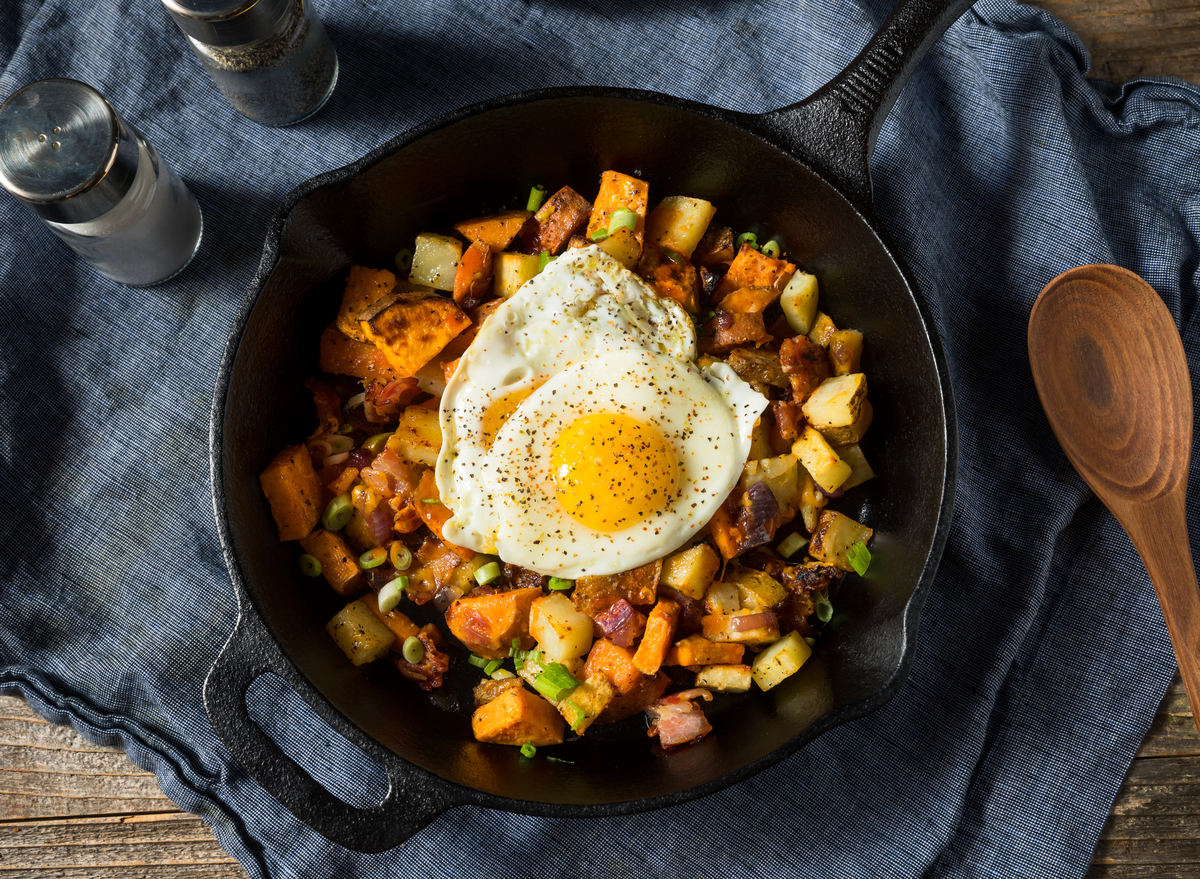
(1042, 654)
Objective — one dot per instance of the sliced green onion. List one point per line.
(772, 249)
(824, 611)
(404, 261)
(389, 595)
(339, 443)
(578, 715)
(488, 573)
(559, 760)
(810, 641)
(346, 429)
(310, 565)
(431, 500)
(622, 219)
(413, 650)
(477, 661)
(528, 750)
(674, 257)
(373, 558)
(747, 238)
(544, 259)
(337, 513)
(537, 195)
(598, 235)
(859, 557)
(558, 584)
(555, 682)
(490, 668)
(375, 444)
(791, 545)
(400, 556)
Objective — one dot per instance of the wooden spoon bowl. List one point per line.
(1110, 370)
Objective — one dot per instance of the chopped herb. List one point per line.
(578, 715)
(560, 760)
(413, 650)
(555, 682)
(346, 429)
(791, 545)
(772, 249)
(747, 238)
(558, 584)
(373, 558)
(622, 219)
(400, 555)
(488, 573)
(859, 557)
(310, 565)
(477, 661)
(389, 595)
(491, 667)
(528, 750)
(598, 235)
(337, 513)
(544, 259)
(404, 261)
(374, 444)
(674, 257)
(431, 500)
(537, 195)
(824, 611)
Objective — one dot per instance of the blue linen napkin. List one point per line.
(1043, 653)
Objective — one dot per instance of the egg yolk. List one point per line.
(613, 471)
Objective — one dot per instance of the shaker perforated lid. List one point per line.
(227, 22)
(64, 151)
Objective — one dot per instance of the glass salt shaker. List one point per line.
(96, 182)
(271, 58)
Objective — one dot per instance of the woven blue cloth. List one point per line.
(1043, 653)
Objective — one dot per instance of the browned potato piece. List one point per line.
(411, 328)
(595, 595)
(360, 633)
(497, 231)
(487, 690)
(518, 717)
(834, 536)
(487, 624)
(293, 490)
(728, 331)
(758, 365)
(806, 365)
(364, 287)
(642, 695)
(845, 351)
(563, 214)
(339, 563)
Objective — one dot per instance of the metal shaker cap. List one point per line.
(64, 151)
(227, 22)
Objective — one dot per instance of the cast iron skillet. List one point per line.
(800, 173)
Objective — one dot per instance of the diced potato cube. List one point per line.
(782, 475)
(837, 401)
(679, 223)
(722, 598)
(845, 351)
(518, 717)
(362, 636)
(860, 470)
(757, 590)
(819, 459)
(759, 365)
(418, 438)
(293, 490)
(487, 624)
(562, 632)
(435, 261)
(725, 678)
(781, 660)
(584, 704)
(799, 302)
(834, 535)
(844, 436)
(760, 635)
(760, 440)
(698, 650)
(512, 270)
(339, 564)
(462, 580)
(691, 571)
(619, 191)
(822, 330)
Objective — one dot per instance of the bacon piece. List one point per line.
(677, 720)
(516, 577)
(728, 331)
(690, 611)
(433, 665)
(806, 365)
(328, 403)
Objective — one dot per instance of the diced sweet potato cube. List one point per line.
(750, 268)
(749, 300)
(660, 630)
(806, 365)
(619, 191)
(497, 231)
(594, 595)
(402, 627)
(364, 287)
(342, 355)
(726, 331)
(293, 490)
(563, 214)
(411, 328)
(487, 624)
(647, 689)
(672, 278)
(518, 717)
(339, 563)
(698, 650)
(723, 527)
(615, 663)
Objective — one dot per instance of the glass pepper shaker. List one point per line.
(96, 182)
(271, 58)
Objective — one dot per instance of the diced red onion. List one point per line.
(619, 623)
(360, 458)
(751, 621)
(446, 596)
(380, 522)
(829, 494)
(336, 459)
(356, 400)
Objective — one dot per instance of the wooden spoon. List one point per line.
(1110, 370)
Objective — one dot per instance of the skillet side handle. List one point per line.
(413, 800)
(833, 131)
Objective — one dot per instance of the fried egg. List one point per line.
(578, 436)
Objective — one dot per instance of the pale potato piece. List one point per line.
(418, 439)
(782, 475)
(757, 590)
(691, 571)
(435, 260)
(511, 270)
(844, 436)
(834, 535)
(780, 660)
(679, 223)
(837, 401)
(725, 678)
(820, 460)
(722, 599)
(845, 351)
(799, 301)
(362, 636)
(562, 632)
(860, 470)
(822, 330)
(761, 635)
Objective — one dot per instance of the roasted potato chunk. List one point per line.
(806, 365)
(595, 595)
(759, 365)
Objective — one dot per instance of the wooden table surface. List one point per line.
(72, 809)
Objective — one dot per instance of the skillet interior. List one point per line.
(487, 160)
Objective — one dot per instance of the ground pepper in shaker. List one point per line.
(96, 182)
(271, 58)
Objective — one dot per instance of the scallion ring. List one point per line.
(400, 556)
(374, 444)
(337, 513)
(373, 558)
(528, 750)
(598, 236)
(558, 584)
(791, 545)
(622, 219)
(346, 429)
(537, 195)
(413, 650)
(772, 249)
(389, 595)
(544, 259)
(747, 238)
(824, 611)
(404, 261)
(310, 565)
(490, 668)
(477, 661)
(488, 573)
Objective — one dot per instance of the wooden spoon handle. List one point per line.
(1158, 528)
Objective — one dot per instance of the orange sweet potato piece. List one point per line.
(428, 504)
(750, 300)
(593, 595)
(517, 717)
(563, 214)
(497, 231)
(698, 650)
(727, 331)
(339, 483)
(364, 287)
(402, 627)
(660, 630)
(293, 490)
(615, 663)
(672, 278)
(407, 518)
(647, 689)
(411, 328)
(473, 279)
(619, 191)
(339, 563)
(751, 269)
(342, 355)
(487, 624)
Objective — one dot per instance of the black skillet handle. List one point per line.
(414, 797)
(833, 131)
